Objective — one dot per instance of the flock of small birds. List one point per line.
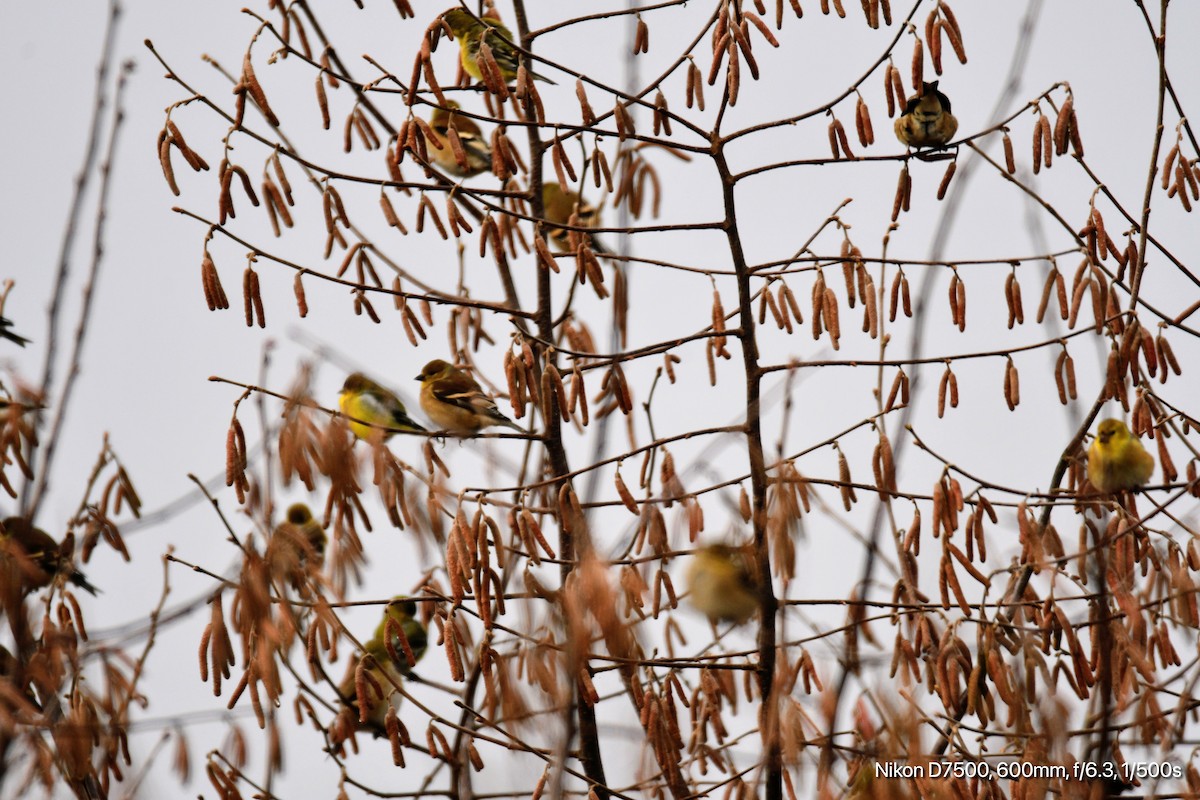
(723, 580)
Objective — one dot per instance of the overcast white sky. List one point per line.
(153, 344)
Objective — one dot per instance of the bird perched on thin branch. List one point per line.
(476, 155)
(5, 333)
(297, 545)
(1116, 459)
(456, 403)
(31, 556)
(377, 691)
(471, 31)
(365, 401)
(381, 673)
(560, 204)
(403, 613)
(722, 584)
(926, 121)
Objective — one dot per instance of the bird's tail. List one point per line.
(79, 580)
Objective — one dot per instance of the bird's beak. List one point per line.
(419, 378)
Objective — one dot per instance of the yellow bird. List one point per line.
(560, 204)
(380, 680)
(455, 403)
(926, 121)
(477, 153)
(33, 557)
(297, 545)
(404, 612)
(1116, 459)
(364, 400)
(722, 583)
(470, 31)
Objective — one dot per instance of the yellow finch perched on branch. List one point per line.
(455, 403)
(378, 688)
(477, 154)
(471, 31)
(364, 400)
(1116, 459)
(926, 121)
(403, 612)
(297, 545)
(722, 584)
(560, 204)
(32, 557)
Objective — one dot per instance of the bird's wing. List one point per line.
(461, 390)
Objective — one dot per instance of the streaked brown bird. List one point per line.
(36, 558)
(926, 121)
(456, 403)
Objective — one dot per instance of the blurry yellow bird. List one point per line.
(363, 399)
(455, 403)
(297, 545)
(476, 155)
(379, 684)
(470, 31)
(32, 557)
(560, 204)
(1116, 459)
(926, 121)
(404, 612)
(722, 584)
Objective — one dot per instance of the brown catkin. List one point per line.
(918, 65)
(887, 90)
(1009, 160)
(945, 184)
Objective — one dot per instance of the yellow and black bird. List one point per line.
(379, 684)
(365, 401)
(476, 152)
(722, 584)
(470, 31)
(926, 121)
(5, 333)
(382, 674)
(454, 401)
(32, 557)
(1116, 459)
(403, 612)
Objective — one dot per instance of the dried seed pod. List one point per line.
(899, 388)
(301, 300)
(1012, 385)
(843, 140)
(903, 190)
(918, 65)
(829, 311)
(1168, 163)
(887, 90)
(1009, 161)
(862, 123)
(945, 184)
(845, 482)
